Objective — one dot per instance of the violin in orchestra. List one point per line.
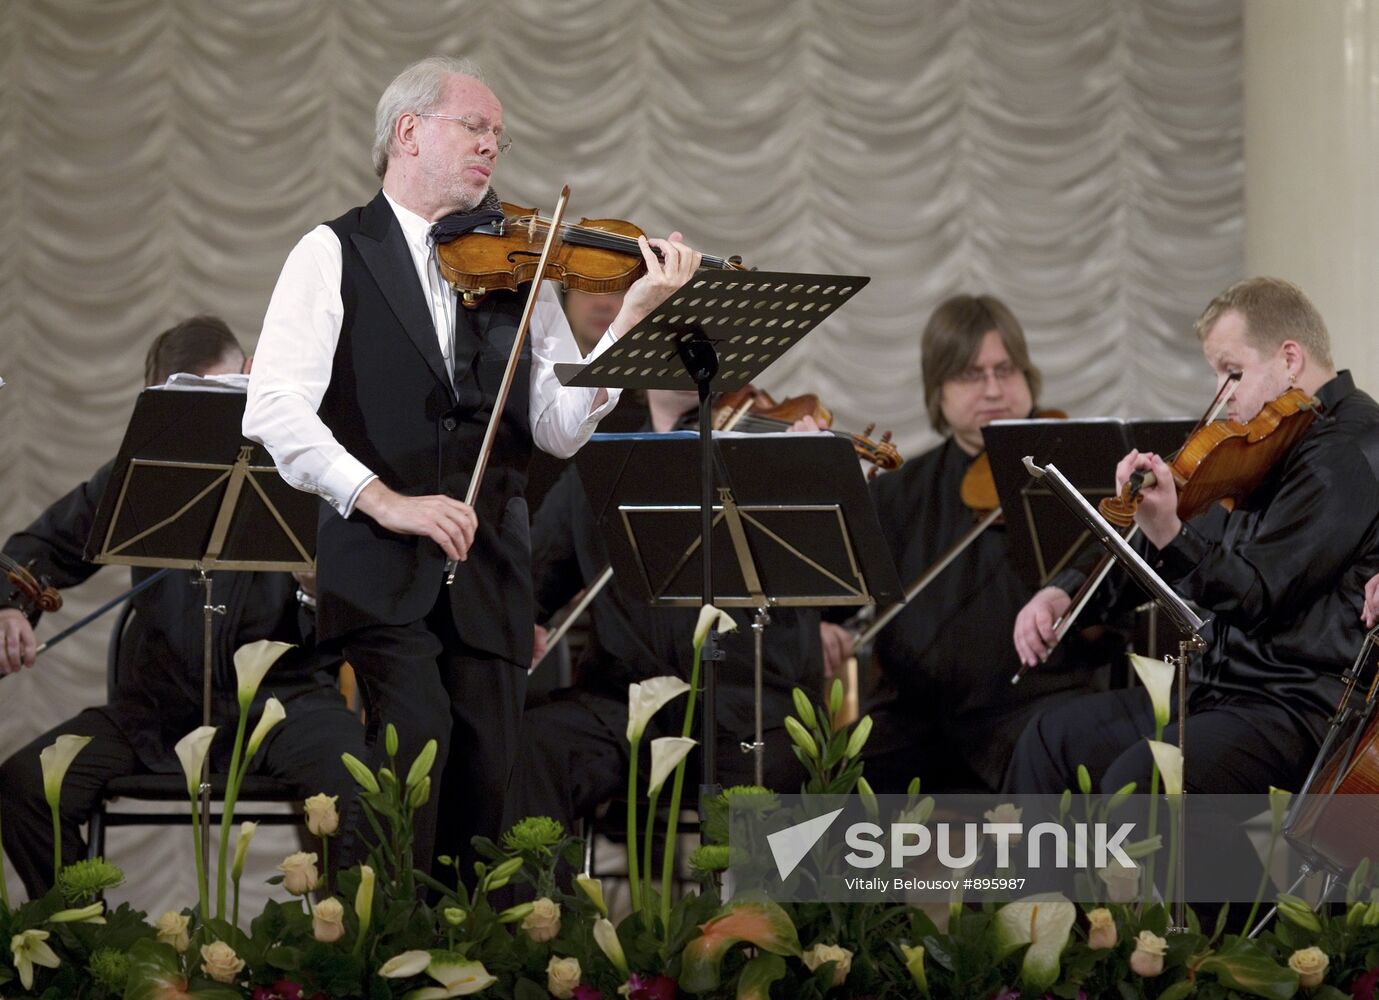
(751, 409)
(1223, 461)
(595, 255)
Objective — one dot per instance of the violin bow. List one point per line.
(491, 432)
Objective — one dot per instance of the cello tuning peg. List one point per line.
(870, 427)
(886, 437)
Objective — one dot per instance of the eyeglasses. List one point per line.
(978, 376)
(478, 129)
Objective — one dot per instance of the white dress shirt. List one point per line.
(296, 351)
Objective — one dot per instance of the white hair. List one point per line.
(417, 88)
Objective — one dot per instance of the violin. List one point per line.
(752, 409)
(1224, 461)
(978, 488)
(34, 593)
(597, 255)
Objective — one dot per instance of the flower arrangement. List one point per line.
(385, 930)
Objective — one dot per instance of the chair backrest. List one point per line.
(115, 648)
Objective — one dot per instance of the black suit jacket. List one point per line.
(392, 406)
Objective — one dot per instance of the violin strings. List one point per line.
(601, 239)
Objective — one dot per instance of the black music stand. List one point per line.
(1044, 535)
(188, 491)
(728, 325)
(794, 525)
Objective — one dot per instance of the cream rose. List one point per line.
(822, 953)
(322, 818)
(562, 976)
(1101, 933)
(1310, 965)
(219, 961)
(1147, 960)
(172, 929)
(299, 873)
(328, 920)
(543, 922)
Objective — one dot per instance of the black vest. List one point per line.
(392, 406)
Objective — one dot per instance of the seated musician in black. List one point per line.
(574, 747)
(158, 699)
(1284, 579)
(947, 712)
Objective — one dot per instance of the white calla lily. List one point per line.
(55, 760)
(252, 661)
(191, 751)
(458, 977)
(647, 698)
(666, 754)
(711, 617)
(1043, 922)
(593, 888)
(1157, 677)
(273, 713)
(405, 965)
(606, 937)
(1169, 760)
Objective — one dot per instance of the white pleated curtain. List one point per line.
(1081, 159)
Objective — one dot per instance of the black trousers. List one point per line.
(303, 749)
(424, 680)
(574, 756)
(1234, 745)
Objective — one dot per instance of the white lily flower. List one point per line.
(30, 948)
(191, 751)
(711, 617)
(646, 699)
(55, 760)
(1169, 759)
(273, 713)
(252, 661)
(606, 937)
(406, 964)
(666, 754)
(1157, 676)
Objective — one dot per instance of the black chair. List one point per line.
(171, 789)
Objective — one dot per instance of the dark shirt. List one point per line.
(630, 641)
(157, 698)
(952, 646)
(1285, 581)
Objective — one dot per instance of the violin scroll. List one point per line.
(34, 593)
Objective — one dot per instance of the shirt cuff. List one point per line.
(1182, 555)
(343, 482)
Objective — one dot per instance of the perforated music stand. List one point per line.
(188, 491)
(1044, 535)
(724, 325)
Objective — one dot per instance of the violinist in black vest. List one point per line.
(1283, 580)
(373, 387)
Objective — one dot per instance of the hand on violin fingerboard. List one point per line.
(17, 645)
(1157, 515)
(675, 265)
